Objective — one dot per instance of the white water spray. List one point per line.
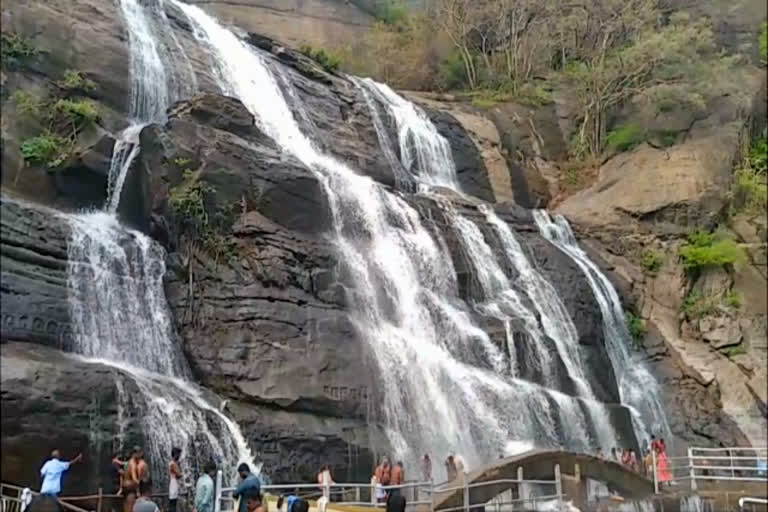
(637, 387)
(423, 151)
(120, 318)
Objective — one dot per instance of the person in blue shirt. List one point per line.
(204, 491)
(51, 473)
(249, 486)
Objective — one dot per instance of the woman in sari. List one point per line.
(662, 466)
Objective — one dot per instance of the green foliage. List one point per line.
(27, 104)
(667, 138)
(74, 80)
(453, 74)
(201, 225)
(624, 137)
(187, 200)
(763, 42)
(758, 154)
(45, 149)
(328, 61)
(736, 350)
(15, 50)
(733, 299)
(636, 327)
(750, 191)
(77, 111)
(696, 305)
(390, 12)
(182, 163)
(528, 94)
(706, 249)
(652, 261)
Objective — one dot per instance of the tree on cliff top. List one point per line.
(634, 56)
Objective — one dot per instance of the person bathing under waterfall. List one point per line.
(174, 479)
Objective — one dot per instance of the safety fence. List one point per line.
(712, 464)
(518, 494)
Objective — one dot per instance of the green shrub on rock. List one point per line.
(74, 80)
(624, 137)
(733, 299)
(652, 261)
(328, 60)
(27, 104)
(706, 249)
(15, 50)
(77, 111)
(636, 327)
(45, 149)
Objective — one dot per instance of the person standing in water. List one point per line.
(426, 468)
(450, 468)
(52, 471)
(174, 479)
(398, 477)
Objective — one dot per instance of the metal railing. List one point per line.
(10, 499)
(422, 494)
(755, 501)
(715, 464)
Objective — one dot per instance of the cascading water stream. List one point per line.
(153, 83)
(554, 316)
(423, 151)
(120, 318)
(637, 387)
(500, 299)
(404, 293)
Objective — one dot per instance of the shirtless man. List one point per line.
(140, 472)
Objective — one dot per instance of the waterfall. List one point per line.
(555, 319)
(403, 291)
(501, 300)
(637, 387)
(121, 318)
(423, 151)
(153, 86)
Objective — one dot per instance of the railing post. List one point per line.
(522, 491)
(466, 491)
(730, 454)
(558, 485)
(357, 494)
(217, 492)
(692, 470)
(655, 473)
(373, 491)
(327, 489)
(431, 495)
(98, 506)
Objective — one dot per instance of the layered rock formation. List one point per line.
(264, 320)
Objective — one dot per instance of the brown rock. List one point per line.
(321, 23)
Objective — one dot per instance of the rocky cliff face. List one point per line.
(263, 317)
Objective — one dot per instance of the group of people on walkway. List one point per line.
(385, 475)
(628, 458)
(133, 487)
